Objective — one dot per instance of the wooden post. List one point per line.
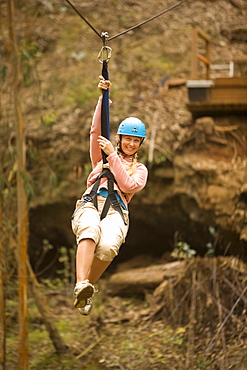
(22, 212)
(208, 59)
(194, 54)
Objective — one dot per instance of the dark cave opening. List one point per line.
(154, 232)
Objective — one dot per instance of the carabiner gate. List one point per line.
(105, 54)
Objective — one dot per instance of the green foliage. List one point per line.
(203, 362)
(2, 182)
(32, 153)
(52, 284)
(161, 158)
(152, 350)
(67, 257)
(29, 53)
(210, 250)
(45, 360)
(53, 180)
(183, 250)
(3, 73)
(81, 93)
(28, 184)
(47, 120)
(210, 246)
(66, 273)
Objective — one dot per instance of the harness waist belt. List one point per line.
(111, 198)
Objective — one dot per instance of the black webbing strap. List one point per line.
(105, 131)
(111, 198)
(105, 114)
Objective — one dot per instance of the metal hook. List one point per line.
(106, 51)
(104, 54)
(104, 37)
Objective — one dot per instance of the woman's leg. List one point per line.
(84, 259)
(113, 233)
(97, 269)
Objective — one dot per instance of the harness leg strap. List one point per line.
(111, 199)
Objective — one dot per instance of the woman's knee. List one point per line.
(89, 232)
(105, 252)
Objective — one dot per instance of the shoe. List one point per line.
(88, 307)
(82, 291)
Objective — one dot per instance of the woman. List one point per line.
(98, 239)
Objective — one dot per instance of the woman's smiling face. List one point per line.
(130, 144)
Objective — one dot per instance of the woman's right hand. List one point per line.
(103, 84)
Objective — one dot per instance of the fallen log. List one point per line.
(140, 279)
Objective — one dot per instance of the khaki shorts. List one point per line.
(108, 234)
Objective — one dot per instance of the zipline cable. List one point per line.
(148, 20)
(131, 28)
(80, 15)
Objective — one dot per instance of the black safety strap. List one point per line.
(110, 200)
(105, 114)
(105, 131)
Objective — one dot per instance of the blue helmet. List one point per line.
(132, 126)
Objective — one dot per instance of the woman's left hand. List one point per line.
(104, 84)
(105, 145)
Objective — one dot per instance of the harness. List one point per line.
(111, 199)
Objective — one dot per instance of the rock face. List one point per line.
(212, 179)
(201, 197)
(210, 192)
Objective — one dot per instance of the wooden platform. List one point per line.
(225, 95)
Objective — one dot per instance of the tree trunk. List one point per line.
(45, 313)
(22, 212)
(2, 298)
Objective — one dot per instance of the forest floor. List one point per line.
(102, 340)
(139, 331)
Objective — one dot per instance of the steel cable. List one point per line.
(131, 28)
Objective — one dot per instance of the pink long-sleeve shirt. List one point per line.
(127, 185)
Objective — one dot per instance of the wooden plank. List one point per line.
(202, 34)
(203, 59)
(231, 81)
(228, 95)
(203, 108)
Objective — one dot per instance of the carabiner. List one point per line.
(104, 54)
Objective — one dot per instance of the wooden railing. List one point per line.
(196, 33)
